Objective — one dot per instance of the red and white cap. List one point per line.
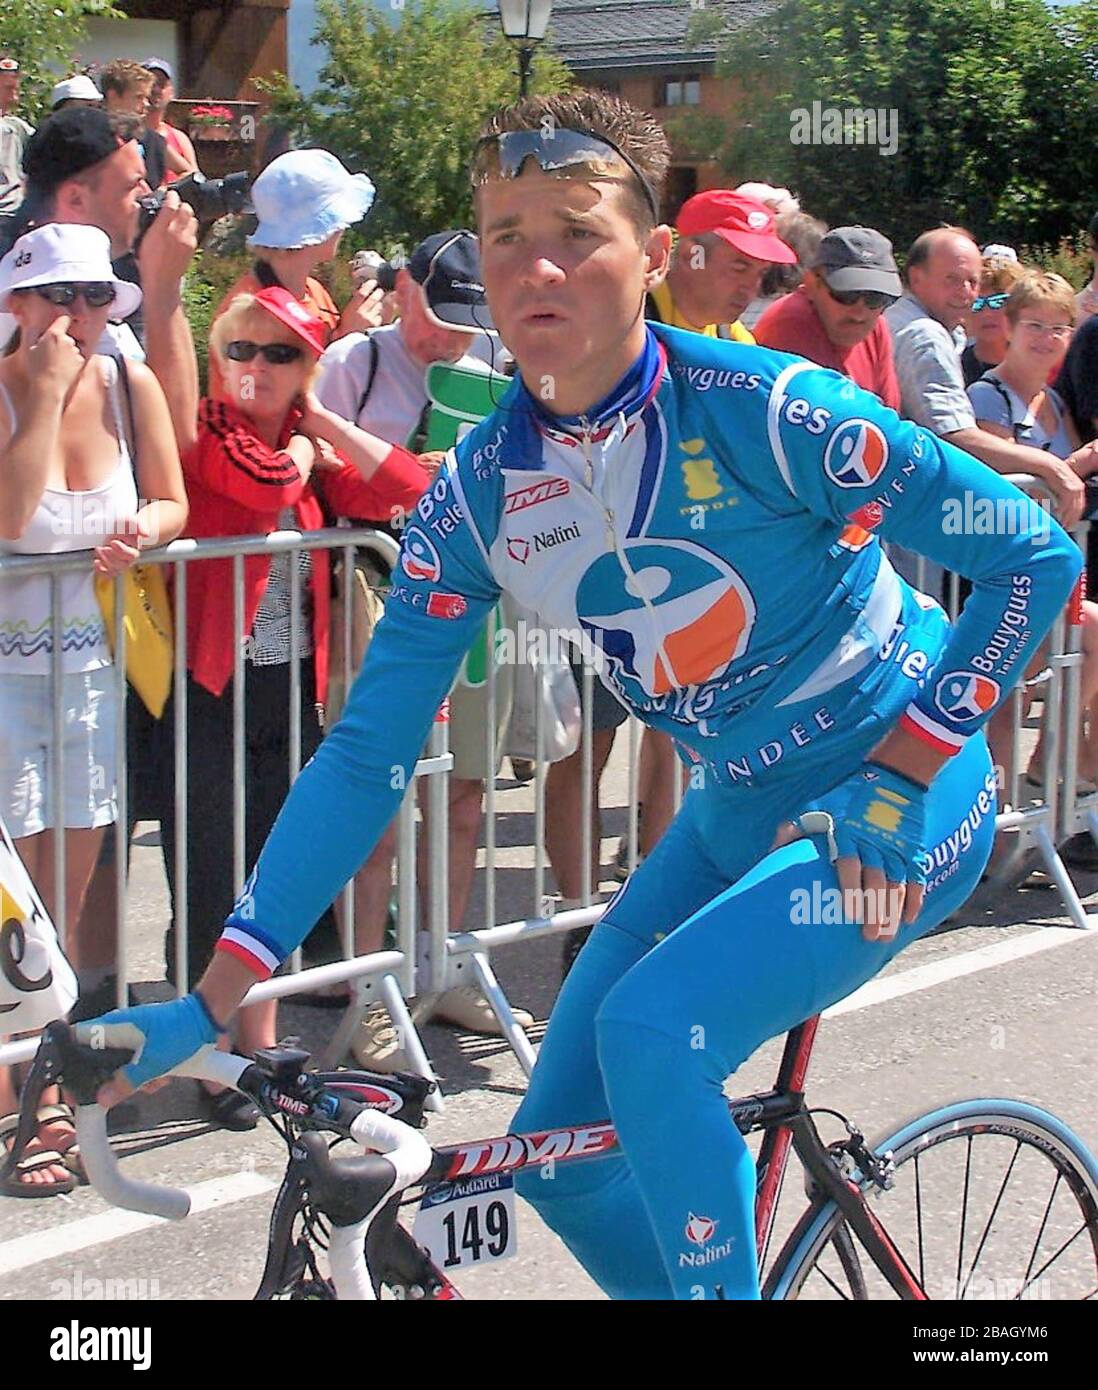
(743, 222)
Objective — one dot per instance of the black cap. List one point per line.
(65, 145)
(858, 258)
(447, 265)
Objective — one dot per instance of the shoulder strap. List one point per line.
(1016, 426)
(371, 372)
(131, 424)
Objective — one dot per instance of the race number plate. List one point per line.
(470, 1221)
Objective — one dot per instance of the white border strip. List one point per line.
(880, 991)
(39, 1246)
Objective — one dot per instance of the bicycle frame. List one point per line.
(780, 1113)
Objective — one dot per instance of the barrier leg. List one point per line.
(1059, 875)
(493, 992)
(402, 1021)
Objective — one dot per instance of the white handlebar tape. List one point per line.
(405, 1148)
(104, 1174)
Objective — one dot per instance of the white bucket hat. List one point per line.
(64, 253)
(79, 88)
(301, 198)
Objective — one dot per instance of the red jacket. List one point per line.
(237, 485)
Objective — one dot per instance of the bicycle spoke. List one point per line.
(1044, 1223)
(1070, 1241)
(991, 1218)
(828, 1280)
(964, 1212)
(919, 1219)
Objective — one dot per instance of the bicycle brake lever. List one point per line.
(44, 1072)
(82, 1066)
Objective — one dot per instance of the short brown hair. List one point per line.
(122, 75)
(998, 274)
(632, 130)
(1037, 288)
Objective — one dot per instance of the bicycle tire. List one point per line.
(1023, 1123)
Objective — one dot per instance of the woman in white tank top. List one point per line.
(71, 478)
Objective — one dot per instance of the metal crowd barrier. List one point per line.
(387, 974)
(426, 963)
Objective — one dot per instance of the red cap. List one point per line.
(290, 311)
(743, 222)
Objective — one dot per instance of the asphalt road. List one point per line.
(1001, 1005)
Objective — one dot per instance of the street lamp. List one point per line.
(524, 23)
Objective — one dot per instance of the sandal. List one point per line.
(70, 1155)
(12, 1185)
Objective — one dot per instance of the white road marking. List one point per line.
(67, 1239)
(880, 991)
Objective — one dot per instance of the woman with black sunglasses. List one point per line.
(267, 452)
(73, 477)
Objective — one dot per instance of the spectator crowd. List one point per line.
(318, 414)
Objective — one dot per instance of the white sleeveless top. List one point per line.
(64, 521)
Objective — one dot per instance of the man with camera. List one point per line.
(84, 166)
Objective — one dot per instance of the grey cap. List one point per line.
(858, 258)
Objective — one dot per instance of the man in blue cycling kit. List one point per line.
(708, 515)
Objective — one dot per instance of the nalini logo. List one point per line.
(962, 695)
(419, 558)
(856, 454)
(700, 1231)
(757, 220)
(518, 549)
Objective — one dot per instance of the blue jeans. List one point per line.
(713, 947)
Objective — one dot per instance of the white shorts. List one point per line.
(89, 752)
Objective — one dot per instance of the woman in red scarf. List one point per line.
(263, 459)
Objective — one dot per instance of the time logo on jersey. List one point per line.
(677, 617)
(962, 695)
(856, 454)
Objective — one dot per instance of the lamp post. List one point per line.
(524, 23)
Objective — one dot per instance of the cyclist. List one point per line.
(762, 627)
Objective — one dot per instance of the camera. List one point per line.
(210, 198)
(368, 265)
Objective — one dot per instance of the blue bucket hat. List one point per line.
(304, 196)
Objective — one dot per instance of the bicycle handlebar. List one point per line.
(100, 1162)
(352, 1191)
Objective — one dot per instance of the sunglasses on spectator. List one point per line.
(1050, 330)
(873, 299)
(989, 301)
(559, 148)
(277, 354)
(95, 294)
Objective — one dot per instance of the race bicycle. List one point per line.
(978, 1199)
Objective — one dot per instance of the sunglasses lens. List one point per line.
(240, 350)
(98, 295)
(578, 151)
(60, 295)
(279, 354)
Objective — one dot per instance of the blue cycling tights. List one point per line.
(683, 979)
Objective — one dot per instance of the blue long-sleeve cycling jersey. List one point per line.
(712, 529)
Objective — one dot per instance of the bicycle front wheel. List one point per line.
(992, 1199)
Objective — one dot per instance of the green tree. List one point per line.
(44, 35)
(404, 101)
(995, 104)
